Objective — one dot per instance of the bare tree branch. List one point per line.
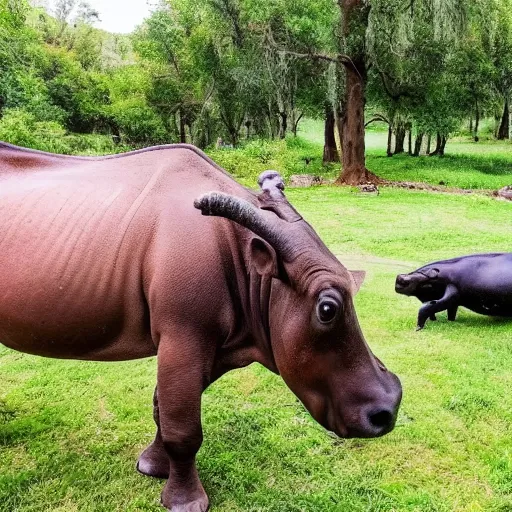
(338, 59)
(377, 117)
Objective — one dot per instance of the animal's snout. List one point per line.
(377, 416)
(374, 421)
(381, 421)
(402, 281)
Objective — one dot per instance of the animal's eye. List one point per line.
(327, 310)
(433, 273)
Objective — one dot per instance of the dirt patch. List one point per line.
(411, 185)
(305, 180)
(355, 262)
(505, 193)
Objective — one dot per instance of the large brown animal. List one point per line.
(109, 259)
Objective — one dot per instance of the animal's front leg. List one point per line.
(181, 381)
(154, 460)
(452, 312)
(448, 300)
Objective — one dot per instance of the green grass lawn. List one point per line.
(70, 432)
(467, 164)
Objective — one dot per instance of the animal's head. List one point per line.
(423, 282)
(313, 331)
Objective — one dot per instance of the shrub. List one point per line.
(93, 144)
(20, 127)
(138, 123)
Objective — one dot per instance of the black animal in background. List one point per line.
(479, 282)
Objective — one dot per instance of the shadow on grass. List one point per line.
(471, 320)
(482, 321)
(18, 427)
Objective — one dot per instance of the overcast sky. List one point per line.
(120, 16)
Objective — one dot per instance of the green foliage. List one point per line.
(22, 128)
(138, 124)
(196, 71)
(93, 144)
(288, 157)
(83, 95)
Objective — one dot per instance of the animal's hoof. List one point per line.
(193, 506)
(153, 462)
(184, 499)
(198, 505)
(419, 328)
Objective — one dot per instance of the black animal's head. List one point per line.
(423, 283)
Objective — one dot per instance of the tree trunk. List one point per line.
(439, 141)
(399, 139)
(354, 23)
(429, 142)
(233, 138)
(183, 133)
(269, 116)
(477, 121)
(503, 132)
(340, 115)
(417, 144)
(352, 141)
(295, 126)
(389, 151)
(409, 141)
(330, 150)
(208, 136)
(283, 124)
(443, 145)
(471, 124)
(440, 144)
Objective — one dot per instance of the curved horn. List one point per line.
(260, 222)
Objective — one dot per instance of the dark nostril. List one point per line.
(381, 419)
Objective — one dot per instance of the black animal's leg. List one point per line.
(448, 300)
(452, 312)
(181, 380)
(154, 460)
(433, 317)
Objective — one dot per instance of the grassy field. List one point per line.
(70, 432)
(467, 164)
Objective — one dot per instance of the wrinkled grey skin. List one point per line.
(479, 282)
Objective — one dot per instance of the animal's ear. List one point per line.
(263, 257)
(357, 279)
(432, 273)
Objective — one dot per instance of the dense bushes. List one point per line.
(288, 156)
(22, 128)
(137, 123)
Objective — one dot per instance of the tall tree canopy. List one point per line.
(235, 69)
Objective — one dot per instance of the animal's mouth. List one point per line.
(402, 285)
(400, 288)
